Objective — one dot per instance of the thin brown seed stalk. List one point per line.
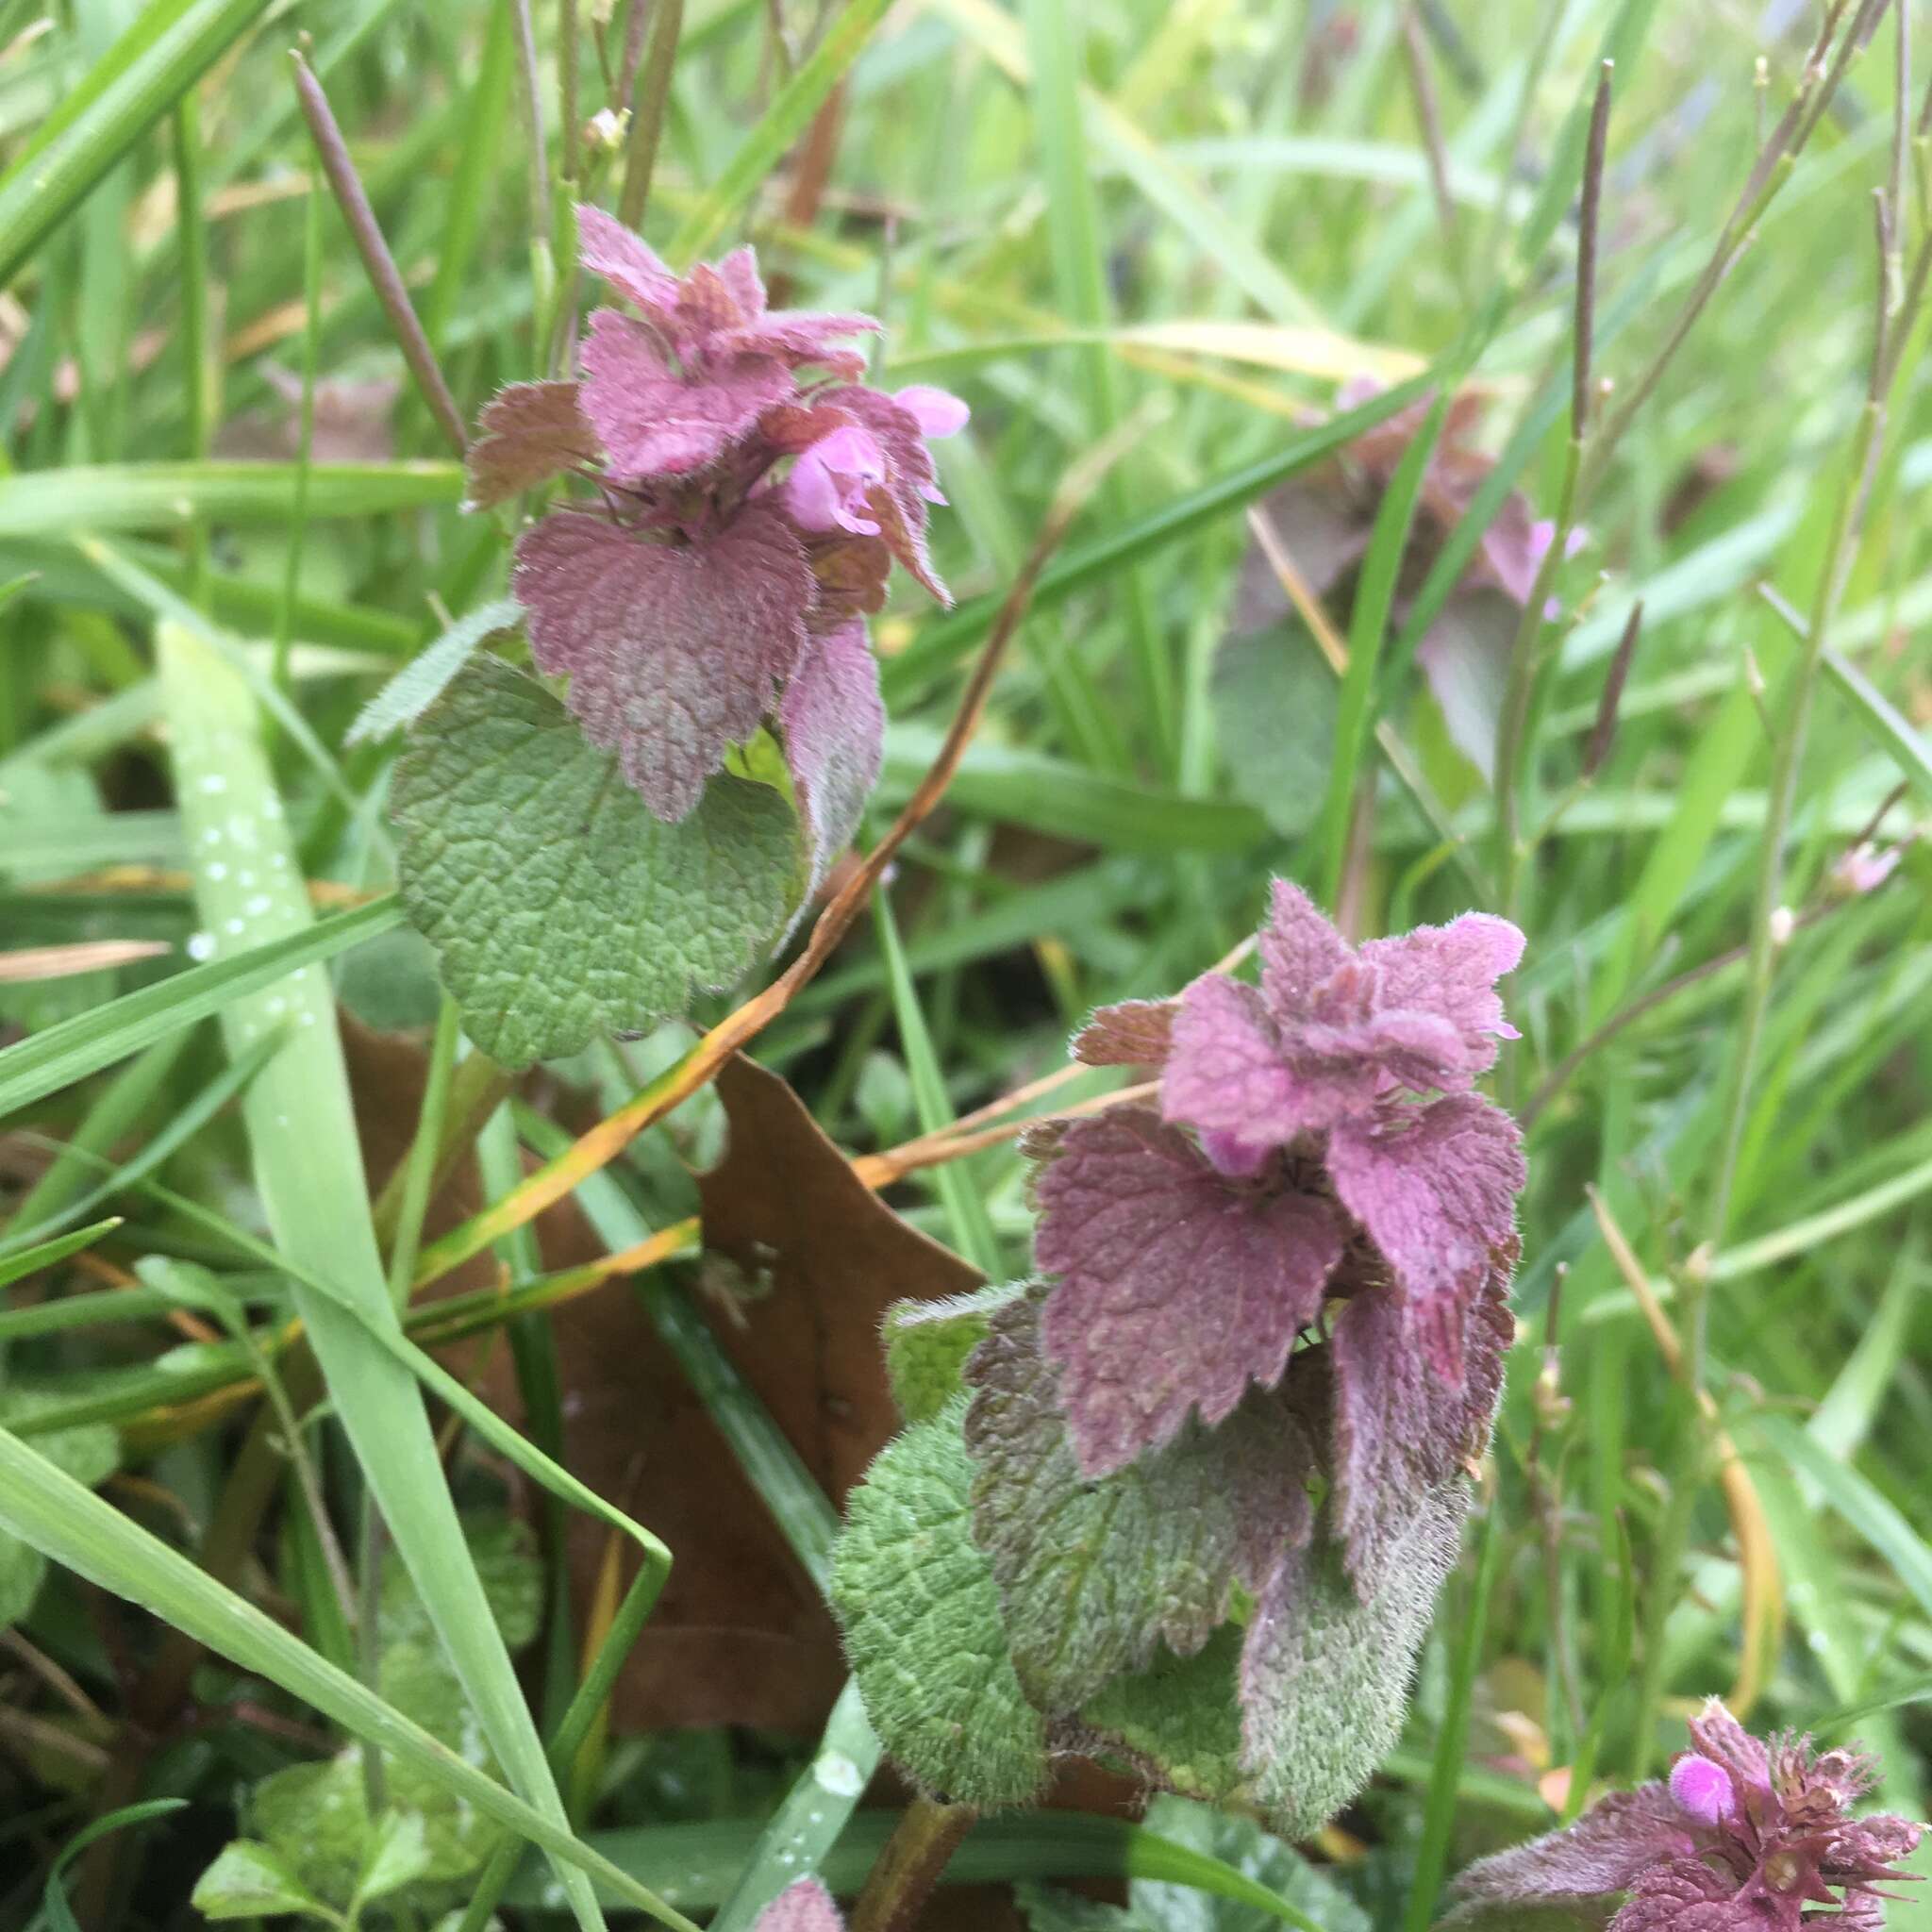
(1589, 218)
(1602, 732)
(378, 262)
(1429, 118)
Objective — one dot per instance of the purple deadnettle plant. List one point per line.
(753, 493)
(1742, 1837)
(1209, 1468)
(701, 608)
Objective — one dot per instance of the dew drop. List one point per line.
(201, 945)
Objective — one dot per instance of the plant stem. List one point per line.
(922, 1842)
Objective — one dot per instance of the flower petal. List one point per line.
(938, 412)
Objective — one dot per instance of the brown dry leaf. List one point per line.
(808, 1260)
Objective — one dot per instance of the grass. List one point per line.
(1173, 225)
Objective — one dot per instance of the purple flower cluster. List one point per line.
(1742, 1837)
(1316, 1140)
(749, 513)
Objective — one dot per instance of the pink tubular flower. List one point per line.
(1296, 1157)
(1743, 1837)
(829, 485)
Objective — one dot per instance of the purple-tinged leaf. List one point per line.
(1688, 1897)
(674, 652)
(1177, 1288)
(1451, 972)
(1135, 1033)
(609, 250)
(805, 1905)
(653, 422)
(529, 433)
(1229, 1073)
(1465, 656)
(834, 726)
(1094, 1575)
(795, 336)
(1604, 1852)
(1324, 1671)
(1435, 1187)
(1300, 950)
(1716, 1734)
(1400, 1429)
(851, 572)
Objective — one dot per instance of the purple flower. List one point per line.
(804, 1906)
(1316, 1140)
(749, 514)
(827, 488)
(1742, 1837)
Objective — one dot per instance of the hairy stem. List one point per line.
(922, 1842)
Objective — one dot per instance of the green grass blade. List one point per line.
(308, 1169)
(62, 1054)
(777, 129)
(943, 641)
(45, 1254)
(1906, 743)
(67, 1522)
(175, 496)
(169, 45)
(1858, 1501)
(966, 1210)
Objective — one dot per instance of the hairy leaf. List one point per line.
(834, 726)
(654, 421)
(1274, 703)
(1325, 1674)
(1178, 1721)
(1177, 1288)
(1135, 1033)
(928, 1343)
(1401, 1430)
(560, 906)
(675, 652)
(1256, 1854)
(529, 432)
(922, 1620)
(1094, 1575)
(427, 675)
(1436, 1188)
